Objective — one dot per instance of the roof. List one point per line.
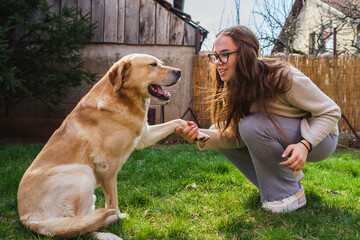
(184, 16)
(351, 8)
(341, 4)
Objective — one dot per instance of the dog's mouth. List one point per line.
(158, 92)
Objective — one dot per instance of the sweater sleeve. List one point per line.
(324, 112)
(217, 140)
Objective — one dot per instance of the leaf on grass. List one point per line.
(146, 212)
(333, 192)
(191, 186)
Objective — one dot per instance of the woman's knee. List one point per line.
(250, 127)
(324, 149)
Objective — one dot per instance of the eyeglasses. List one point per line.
(223, 57)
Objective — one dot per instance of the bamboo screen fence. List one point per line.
(339, 78)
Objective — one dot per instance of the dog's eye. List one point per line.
(153, 64)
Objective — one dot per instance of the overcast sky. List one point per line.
(209, 13)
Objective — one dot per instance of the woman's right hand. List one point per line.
(189, 133)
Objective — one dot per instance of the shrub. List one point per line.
(40, 57)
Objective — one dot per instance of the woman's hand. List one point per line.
(189, 133)
(298, 156)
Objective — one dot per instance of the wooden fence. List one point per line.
(139, 22)
(339, 78)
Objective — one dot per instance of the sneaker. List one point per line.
(299, 175)
(288, 204)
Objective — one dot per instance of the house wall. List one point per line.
(314, 14)
(35, 121)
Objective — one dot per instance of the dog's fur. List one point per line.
(55, 195)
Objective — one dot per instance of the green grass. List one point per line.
(179, 192)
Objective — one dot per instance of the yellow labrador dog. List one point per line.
(55, 196)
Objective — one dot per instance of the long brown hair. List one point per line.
(255, 80)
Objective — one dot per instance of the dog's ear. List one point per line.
(118, 73)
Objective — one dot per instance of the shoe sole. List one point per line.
(295, 206)
(300, 176)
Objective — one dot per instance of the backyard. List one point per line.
(179, 192)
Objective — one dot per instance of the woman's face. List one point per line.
(224, 44)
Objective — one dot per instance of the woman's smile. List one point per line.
(222, 72)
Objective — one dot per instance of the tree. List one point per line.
(237, 6)
(351, 14)
(275, 23)
(43, 61)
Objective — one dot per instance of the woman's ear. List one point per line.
(117, 73)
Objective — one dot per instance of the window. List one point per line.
(358, 37)
(312, 43)
(329, 45)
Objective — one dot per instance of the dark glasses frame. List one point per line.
(218, 56)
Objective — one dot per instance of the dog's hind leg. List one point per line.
(71, 191)
(64, 203)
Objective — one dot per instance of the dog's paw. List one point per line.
(106, 236)
(116, 215)
(112, 219)
(123, 215)
(202, 137)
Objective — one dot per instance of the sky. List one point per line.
(209, 13)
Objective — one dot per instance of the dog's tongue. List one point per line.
(158, 92)
(158, 89)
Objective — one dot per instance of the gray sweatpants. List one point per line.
(259, 160)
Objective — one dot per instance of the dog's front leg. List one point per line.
(109, 187)
(155, 133)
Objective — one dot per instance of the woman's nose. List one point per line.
(217, 61)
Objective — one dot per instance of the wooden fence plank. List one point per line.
(97, 7)
(189, 37)
(84, 6)
(177, 27)
(111, 21)
(132, 21)
(121, 22)
(55, 6)
(34, 16)
(69, 3)
(162, 25)
(19, 31)
(147, 22)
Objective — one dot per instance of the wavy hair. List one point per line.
(255, 81)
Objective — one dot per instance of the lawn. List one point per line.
(179, 192)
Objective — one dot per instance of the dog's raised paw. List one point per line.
(202, 137)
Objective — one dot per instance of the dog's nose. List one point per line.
(177, 72)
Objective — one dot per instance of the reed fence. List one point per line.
(339, 78)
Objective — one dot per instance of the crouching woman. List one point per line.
(269, 119)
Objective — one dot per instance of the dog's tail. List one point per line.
(70, 226)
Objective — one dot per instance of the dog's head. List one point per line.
(144, 73)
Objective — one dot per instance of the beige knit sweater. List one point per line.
(320, 114)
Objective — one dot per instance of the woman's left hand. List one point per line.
(297, 158)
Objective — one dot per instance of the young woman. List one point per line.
(269, 119)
